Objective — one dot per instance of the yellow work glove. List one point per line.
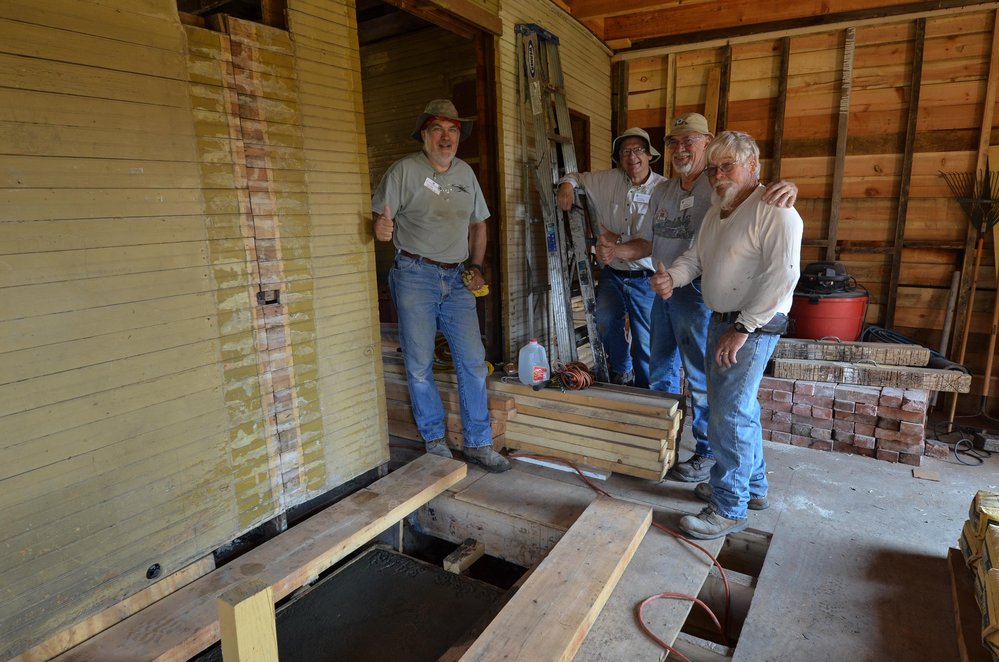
(467, 275)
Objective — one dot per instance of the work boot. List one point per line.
(709, 524)
(439, 447)
(487, 458)
(695, 470)
(703, 492)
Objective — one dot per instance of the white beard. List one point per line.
(727, 198)
(684, 169)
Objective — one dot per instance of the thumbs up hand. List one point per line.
(384, 225)
(662, 282)
(606, 247)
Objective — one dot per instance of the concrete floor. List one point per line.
(856, 568)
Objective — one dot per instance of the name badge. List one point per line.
(432, 185)
(642, 198)
(687, 203)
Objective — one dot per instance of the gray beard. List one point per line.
(684, 169)
(727, 198)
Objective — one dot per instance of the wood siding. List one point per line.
(586, 67)
(956, 55)
(155, 179)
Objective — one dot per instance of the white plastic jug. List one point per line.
(532, 368)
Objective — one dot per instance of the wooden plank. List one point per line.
(846, 86)
(778, 132)
(871, 375)
(462, 558)
(906, 175)
(550, 615)
(609, 437)
(246, 623)
(967, 617)
(529, 445)
(643, 429)
(652, 404)
(651, 459)
(881, 353)
(602, 418)
(104, 619)
(185, 623)
(712, 99)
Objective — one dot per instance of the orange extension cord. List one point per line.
(640, 608)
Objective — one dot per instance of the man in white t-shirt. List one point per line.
(747, 254)
(620, 199)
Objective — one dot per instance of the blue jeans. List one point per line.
(680, 331)
(739, 471)
(616, 296)
(428, 298)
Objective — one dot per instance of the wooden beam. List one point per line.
(723, 87)
(879, 352)
(550, 615)
(619, 98)
(873, 375)
(849, 39)
(700, 41)
(704, 21)
(906, 175)
(102, 620)
(462, 558)
(712, 98)
(246, 623)
(463, 17)
(778, 139)
(285, 563)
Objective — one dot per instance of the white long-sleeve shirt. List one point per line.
(748, 262)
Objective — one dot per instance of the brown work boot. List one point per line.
(703, 492)
(487, 458)
(709, 524)
(439, 447)
(694, 470)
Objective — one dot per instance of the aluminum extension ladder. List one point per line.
(543, 107)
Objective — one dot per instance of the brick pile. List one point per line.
(882, 422)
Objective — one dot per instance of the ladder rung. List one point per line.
(559, 138)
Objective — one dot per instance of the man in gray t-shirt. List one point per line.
(430, 206)
(680, 323)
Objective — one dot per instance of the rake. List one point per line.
(975, 195)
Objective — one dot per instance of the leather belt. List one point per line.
(442, 265)
(726, 317)
(634, 273)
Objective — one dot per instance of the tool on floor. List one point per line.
(567, 235)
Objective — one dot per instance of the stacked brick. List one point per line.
(883, 422)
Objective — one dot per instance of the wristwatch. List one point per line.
(741, 328)
(476, 266)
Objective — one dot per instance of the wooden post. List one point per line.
(619, 97)
(723, 88)
(778, 136)
(711, 99)
(841, 134)
(246, 623)
(906, 177)
(984, 137)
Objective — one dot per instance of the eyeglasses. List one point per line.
(628, 151)
(673, 144)
(726, 168)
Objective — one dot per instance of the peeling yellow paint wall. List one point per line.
(159, 183)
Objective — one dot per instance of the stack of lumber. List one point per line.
(979, 545)
(864, 364)
(400, 414)
(625, 430)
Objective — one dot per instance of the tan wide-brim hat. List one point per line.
(442, 108)
(689, 122)
(635, 132)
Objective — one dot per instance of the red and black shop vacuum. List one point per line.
(828, 303)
